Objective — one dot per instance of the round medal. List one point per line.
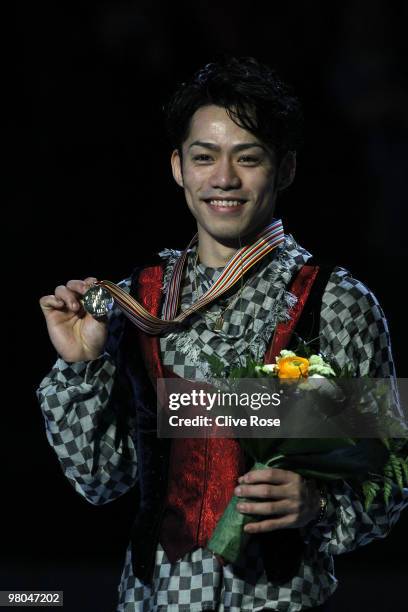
(97, 301)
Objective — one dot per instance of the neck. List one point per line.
(213, 253)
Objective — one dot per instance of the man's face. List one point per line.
(228, 175)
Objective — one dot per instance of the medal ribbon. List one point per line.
(246, 257)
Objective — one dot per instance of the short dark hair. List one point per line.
(253, 95)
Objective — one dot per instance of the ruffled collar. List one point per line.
(282, 262)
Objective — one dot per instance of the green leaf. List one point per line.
(217, 367)
(370, 490)
(387, 491)
(404, 468)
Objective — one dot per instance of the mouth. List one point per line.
(224, 204)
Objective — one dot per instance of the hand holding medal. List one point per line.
(76, 321)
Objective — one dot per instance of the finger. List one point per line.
(272, 475)
(278, 508)
(79, 286)
(266, 490)
(69, 297)
(284, 522)
(90, 280)
(50, 302)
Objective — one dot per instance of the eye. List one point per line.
(249, 159)
(201, 157)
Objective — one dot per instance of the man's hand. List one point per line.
(75, 334)
(285, 498)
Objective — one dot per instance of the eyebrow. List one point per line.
(215, 147)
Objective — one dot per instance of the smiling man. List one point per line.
(230, 182)
(235, 128)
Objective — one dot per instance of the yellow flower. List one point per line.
(292, 367)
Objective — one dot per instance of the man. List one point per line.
(235, 128)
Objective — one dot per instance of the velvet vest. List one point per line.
(182, 490)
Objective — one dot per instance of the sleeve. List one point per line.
(353, 329)
(81, 422)
(347, 526)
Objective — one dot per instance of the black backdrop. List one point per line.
(92, 191)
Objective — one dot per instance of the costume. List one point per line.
(83, 426)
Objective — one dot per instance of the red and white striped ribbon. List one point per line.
(267, 240)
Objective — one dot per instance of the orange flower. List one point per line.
(292, 367)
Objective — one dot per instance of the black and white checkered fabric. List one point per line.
(74, 401)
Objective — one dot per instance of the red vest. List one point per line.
(202, 472)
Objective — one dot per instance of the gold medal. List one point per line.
(97, 301)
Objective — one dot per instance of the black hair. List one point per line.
(253, 95)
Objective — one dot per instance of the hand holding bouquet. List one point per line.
(374, 464)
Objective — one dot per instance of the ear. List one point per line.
(287, 170)
(176, 167)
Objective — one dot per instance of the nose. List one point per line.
(224, 175)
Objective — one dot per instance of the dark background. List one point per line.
(92, 191)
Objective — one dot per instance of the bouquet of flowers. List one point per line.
(373, 464)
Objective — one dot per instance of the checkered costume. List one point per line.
(74, 400)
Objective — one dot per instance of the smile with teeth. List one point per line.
(225, 203)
